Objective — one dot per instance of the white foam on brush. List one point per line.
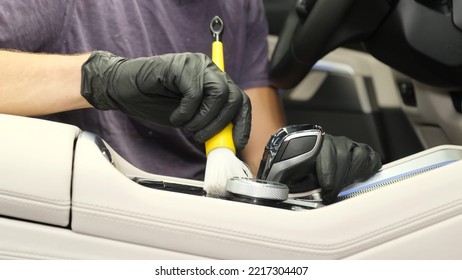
(222, 164)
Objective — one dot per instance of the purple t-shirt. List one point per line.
(141, 28)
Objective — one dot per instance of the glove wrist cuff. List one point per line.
(94, 85)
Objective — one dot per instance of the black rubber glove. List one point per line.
(341, 162)
(181, 90)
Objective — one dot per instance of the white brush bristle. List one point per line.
(222, 164)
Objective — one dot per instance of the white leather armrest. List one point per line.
(35, 169)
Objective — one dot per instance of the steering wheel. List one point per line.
(420, 38)
(315, 27)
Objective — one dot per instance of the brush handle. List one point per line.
(224, 139)
(218, 55)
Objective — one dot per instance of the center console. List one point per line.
(411, 209)
(410, 202)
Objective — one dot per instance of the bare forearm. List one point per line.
(267, 118)
(39, 84)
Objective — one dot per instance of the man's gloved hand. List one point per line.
(181, 90)
(341, 162)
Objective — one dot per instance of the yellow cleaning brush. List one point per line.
(222, 163)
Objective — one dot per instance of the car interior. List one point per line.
(381, 72)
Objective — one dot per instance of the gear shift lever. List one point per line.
(290, 156)
(287, 166)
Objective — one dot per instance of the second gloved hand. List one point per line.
(341, 162)
(181, 90)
